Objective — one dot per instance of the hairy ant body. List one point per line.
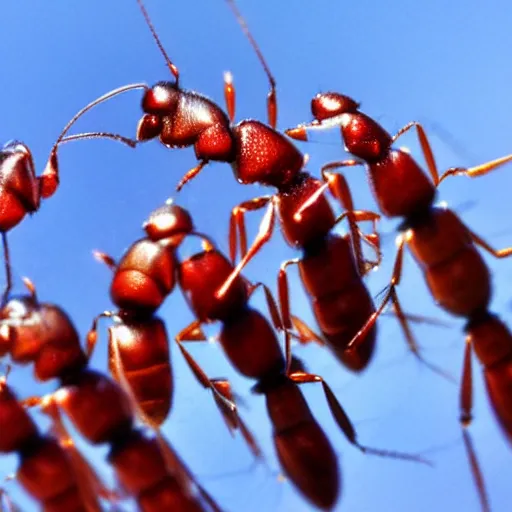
(146, 466)
(445, 249)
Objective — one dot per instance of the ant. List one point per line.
(21, 190)
(250, 343)
(146, 466)
(138, 343)
(260, 154)
(445, 249)
(52, 471)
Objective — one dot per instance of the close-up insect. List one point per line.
(445, 71)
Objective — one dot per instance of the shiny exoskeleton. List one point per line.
(99, 408)
(21, 190)
(443, 246)
(138, 342)
(250, 343)
(46, 470)
(260, 154)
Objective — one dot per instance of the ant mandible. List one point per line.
(445, 249)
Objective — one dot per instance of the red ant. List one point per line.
(21, 190)
(252, 347)
(144, 277)
(146, 467)
(56, 476)
(443, 246)
(260, 154)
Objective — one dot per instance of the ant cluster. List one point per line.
(127, 410)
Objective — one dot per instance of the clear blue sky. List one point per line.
(446, 64)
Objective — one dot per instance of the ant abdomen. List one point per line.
(303, 449)
(143, 350)
(443, 247)
(341, 302)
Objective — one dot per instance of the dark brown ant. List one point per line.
(101, 410)
(250, 343)
(445, 249)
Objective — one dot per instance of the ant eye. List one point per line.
(160, 99)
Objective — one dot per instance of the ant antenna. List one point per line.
(170, 65)
(271, 98)
(101, 99)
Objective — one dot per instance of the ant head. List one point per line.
(330, 104)
(169, 222)
(159, 101)
(13, 315)
(17, 309)
(17, 173)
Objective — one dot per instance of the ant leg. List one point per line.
(344, 423)
(106, 259)
(466, 387)
(389, 295)
(466, 405)
(497, 253)
(264, 234)
(237, 224)
(271, 304)
(181, 473)
(8, 271)
(221, 388)
(392, 296)
(92, 335)
(478, 170)
(229, 95)
(305, 334)
(341, 192)
(425, 147)
(476, 472)
(192, 173)
(472, 172)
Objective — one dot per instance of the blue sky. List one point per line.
(446, 66)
